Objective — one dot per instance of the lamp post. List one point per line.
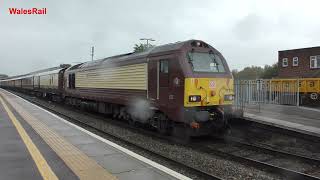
(147, 39)
(92, 53)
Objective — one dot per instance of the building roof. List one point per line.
(301, 49)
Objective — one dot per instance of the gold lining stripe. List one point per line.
(82, 165)
(43, 167)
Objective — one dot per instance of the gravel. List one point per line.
(216, 165)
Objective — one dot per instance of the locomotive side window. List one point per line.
(72, 81)
(69, 81)
(164, 66)
(163, 73)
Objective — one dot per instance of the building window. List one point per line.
(314, 62)
(295, 61)
(284, 62)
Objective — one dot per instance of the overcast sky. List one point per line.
(246, 32)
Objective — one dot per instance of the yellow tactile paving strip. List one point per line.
(83, 166)
(42, 165)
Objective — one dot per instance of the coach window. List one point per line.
(295, 61)
(284, 62)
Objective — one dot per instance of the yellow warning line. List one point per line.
(45, 170)
(82, 165)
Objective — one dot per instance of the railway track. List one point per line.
(200, 173)
(228, 150)
(293, 166)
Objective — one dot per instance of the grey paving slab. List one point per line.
(18, 174)
(15, 160)
(305, 120)
(113, 160)
(15, 163)
(66, 133)
(60, 127)
(142, 174)
(97, 149)
(119, 163)
(81, 139)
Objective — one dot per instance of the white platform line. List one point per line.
(127, 151)
(310, 109)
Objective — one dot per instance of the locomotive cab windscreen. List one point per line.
(207, 62)
(210, 82)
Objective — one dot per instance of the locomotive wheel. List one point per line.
(132, 121)
(163, 125)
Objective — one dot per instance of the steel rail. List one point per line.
(198, 172)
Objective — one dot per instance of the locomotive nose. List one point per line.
(201, 92)
(202, 116)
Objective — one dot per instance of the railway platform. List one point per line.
(296, 118)
(36, 144)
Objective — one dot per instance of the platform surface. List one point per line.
(65, 151)
(301, 119)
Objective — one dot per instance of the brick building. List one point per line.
(299, 63)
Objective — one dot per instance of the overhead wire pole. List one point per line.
(147, 39)
(92, 53)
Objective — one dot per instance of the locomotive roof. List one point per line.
(123, 57)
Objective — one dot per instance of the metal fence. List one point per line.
(266, 91)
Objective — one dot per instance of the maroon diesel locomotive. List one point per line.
(180, 86)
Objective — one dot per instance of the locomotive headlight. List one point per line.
(229, 97)
(194, 98)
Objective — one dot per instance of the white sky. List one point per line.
(246, 32)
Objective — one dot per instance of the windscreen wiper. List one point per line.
(214, 60)
(190, 59)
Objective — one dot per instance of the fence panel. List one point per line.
(266, 91)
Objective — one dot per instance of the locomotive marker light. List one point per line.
(229, 97)
(194, 98)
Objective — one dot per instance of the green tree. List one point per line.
(235, 72)
(256, 72)
(270, 71)
(141, 47)
(253, 72)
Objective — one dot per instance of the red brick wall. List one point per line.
(303, 69)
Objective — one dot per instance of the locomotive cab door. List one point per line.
(164, 83)
(158, 82)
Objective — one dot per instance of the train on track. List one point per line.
(183, 86)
